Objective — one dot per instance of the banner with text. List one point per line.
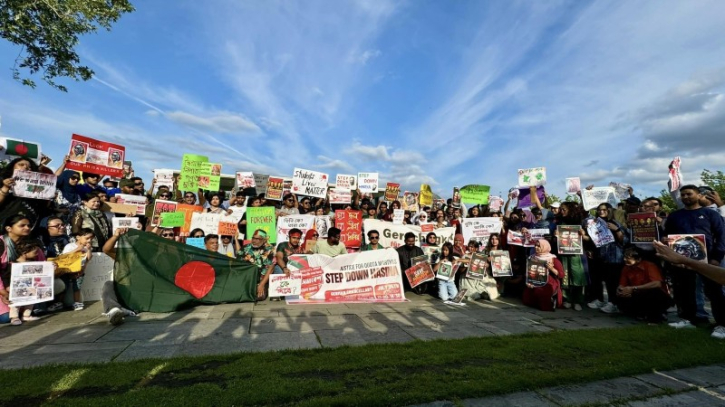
(309, 183)
(95, 156)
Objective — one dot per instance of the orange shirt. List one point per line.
(641, 273)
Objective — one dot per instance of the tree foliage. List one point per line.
(47, 32)
(715, 180)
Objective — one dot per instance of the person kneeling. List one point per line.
(642, 292)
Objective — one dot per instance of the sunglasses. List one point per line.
(167, 235)
(75, 178)
(165, 195)
(374, 237)
(198, 236)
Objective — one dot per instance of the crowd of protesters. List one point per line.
(642, 280)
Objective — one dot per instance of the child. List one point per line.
(446, 288)
(27, 250)
(83, 240)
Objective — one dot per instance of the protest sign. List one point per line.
(394, 235)
(532, 235)
(208, 222)
(621, 191)
(675, 174)
(345, 182)
(228, 228)
(188, 210)
(398, 216)
(480, 229)
(501, 263)
(127, 170)
(68, 263)
(287, 223)
(192, 167)
(514, 238)
(690, 246)
(164, 178)
(31, 283)
(95, 156)
(125, 223)
(172, 219)
(262, 218)
(426, 195)
(372, 276)
(260, 182)
(438, 203)
(275, 189)
(445, 271)
(410, 201)
(281, 285)
(338, 196)
(537, 272)
(197, 242)
(475, 194)
(569, 239)
(286, 186)
(35, 185)
(309, 183)
(119, 208)
(392, 190)
(99, 269)
(323, 224)
(210, 176)
(245, 180)
(367, 182)
(160, 207)
(591, 198)
(13, 148)
(599, 232)
(532, 177)
(136, 200)
(350, 224)
(456, 199)
(237, 214)
(495, 203)
(524, 198)
(573, 185)
(419, 274)
(643, 228)
(477, 267)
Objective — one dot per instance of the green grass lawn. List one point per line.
(394, 374)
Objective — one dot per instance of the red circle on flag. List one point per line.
(196, 278)
(21, 149)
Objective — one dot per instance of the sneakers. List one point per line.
(596, 304)
(718, 332)
(29, 317)
(55, 307)
(577, 307)
(78, 306)
(115, 316)
(683, 323)
(609, 309)
(567, 305)
(16, 322)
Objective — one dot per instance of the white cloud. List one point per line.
(221, 122)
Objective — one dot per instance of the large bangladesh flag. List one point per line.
(23, 149)
(158, 275)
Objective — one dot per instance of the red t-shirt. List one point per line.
(641, 273)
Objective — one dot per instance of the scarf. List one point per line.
(545, 251)
(68, 191)
(96, 220)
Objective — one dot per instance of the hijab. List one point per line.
(68, 191)
(545, 251)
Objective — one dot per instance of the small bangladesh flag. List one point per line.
(23, 149)
(158, 275)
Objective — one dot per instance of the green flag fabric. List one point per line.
(158, 275)
(22, 149)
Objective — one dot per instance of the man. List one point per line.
(138, 186)
(305, 206)
(54, 243)
(284, 251)
(694, 219)
(189, 198)
(167, 233)
(126, 187)
(261, 254)
(91, 182)
(711, 199)
(112, 307)
(109, 183)
(289, 206)
(226, 247)
(332, 246)
(211, 243)
(405, 254)
(642, 292)
(374, 239)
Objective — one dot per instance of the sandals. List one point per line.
(16, 322)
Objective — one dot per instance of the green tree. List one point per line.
(715, 180)
(47, 32)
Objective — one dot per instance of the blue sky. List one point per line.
(439, 92)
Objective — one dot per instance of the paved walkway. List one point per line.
(86, 336)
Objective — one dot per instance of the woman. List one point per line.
(67, 200)
(390, 213)
(607, 260)
(549, 296)
(486, 287)
(254, 202)
(311, 240)
(89, 216)
(16, 228)
(576, 275)
(431, 248)
(33, 209)
(440, 221)
(215, 205)
(474, 212)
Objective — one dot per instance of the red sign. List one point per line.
(350, 224)
(162, 207)
(95, 156)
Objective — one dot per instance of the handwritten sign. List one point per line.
(68, 263)
(591, 198)
(367, 182)
(310, 183)
(346, 182)
(137, 200)
(34, 185)
(281, 285)
(99, 269)
(475, 194)
(173, 219)
(532, 177)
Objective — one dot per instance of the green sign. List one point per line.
(262, 218)
(192, 167)
(475, 194)
(172, 219)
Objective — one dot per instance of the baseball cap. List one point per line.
(555, 204)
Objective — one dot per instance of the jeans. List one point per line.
(700, 298)
(447, 290)
(684, 283)
(5, 318)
